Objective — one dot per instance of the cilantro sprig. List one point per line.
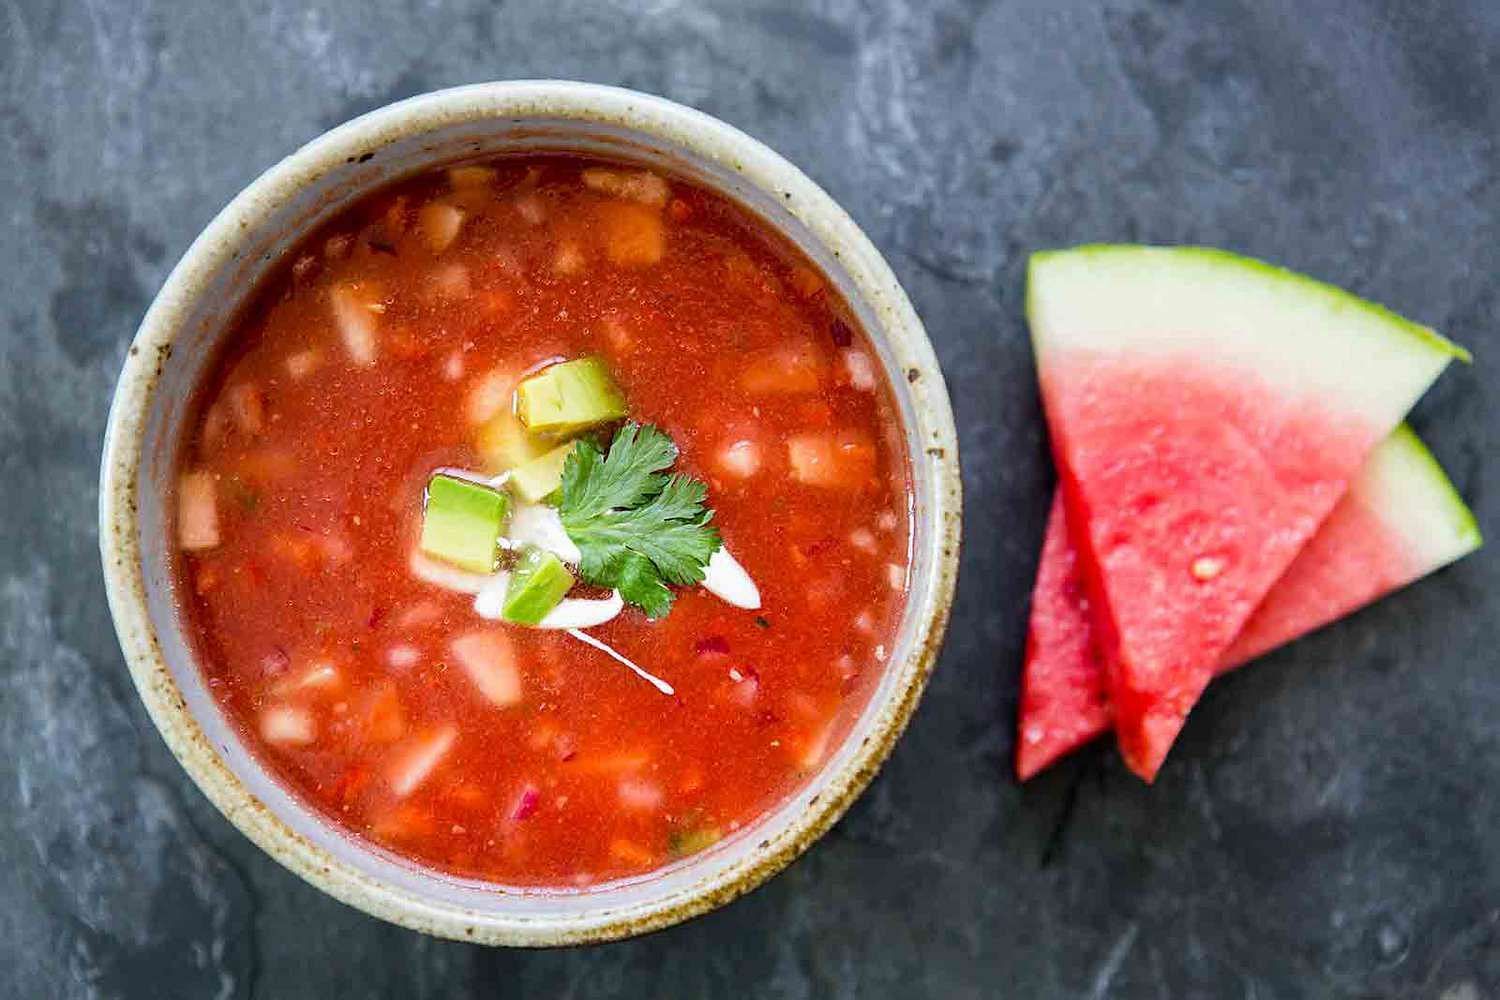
(637, 528)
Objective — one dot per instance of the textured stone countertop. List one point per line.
(1329, 825)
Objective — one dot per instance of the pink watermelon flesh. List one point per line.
(1191, 491)
(1394, 526)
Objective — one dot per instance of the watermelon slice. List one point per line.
(1207, 412)
(1400, 520)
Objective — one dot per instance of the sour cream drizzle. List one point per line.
(652, 679)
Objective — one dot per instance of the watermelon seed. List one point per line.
(1207, 567)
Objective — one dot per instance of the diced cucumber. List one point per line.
(683, 842)
(505, 443)
(569, 397)
(539, 478)
(462, 522)
(537, 584)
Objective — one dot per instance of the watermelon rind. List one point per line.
(1213, 268)
(1418, 493)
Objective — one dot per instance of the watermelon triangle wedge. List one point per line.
(1401, 520)
(1206, 412)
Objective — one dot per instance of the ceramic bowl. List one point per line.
(176, 341)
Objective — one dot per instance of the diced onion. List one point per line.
(414, 762)
(440, 224)
(531, 209)
(568, 260)
(470, 177)
(636, 185)
(403, 656)
(451, 281)
(489, 395)
(197, 512)
(490, 662)
(740, 459)
(815, 747)
(303, 363)
(287, 725)
(356, 324)
(640, 794)
(860, 369)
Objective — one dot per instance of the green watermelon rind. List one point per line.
(1238, 265)
(1467, 535)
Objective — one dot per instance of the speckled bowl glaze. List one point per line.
(189, 315)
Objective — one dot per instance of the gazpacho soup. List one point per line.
(543, 520)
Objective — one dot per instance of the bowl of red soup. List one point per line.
(530, 512)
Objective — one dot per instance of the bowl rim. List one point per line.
(654, 118)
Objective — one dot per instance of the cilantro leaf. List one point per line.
(637, 529)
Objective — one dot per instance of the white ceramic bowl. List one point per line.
(189, 315)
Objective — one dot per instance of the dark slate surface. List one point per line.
(1327, 826)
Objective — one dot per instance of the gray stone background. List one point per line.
(1327, 827)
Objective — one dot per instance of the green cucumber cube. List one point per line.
(536, 480)
(462, 522)
(537, 584)
(569, 398)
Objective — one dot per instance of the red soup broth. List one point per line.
(387, 346)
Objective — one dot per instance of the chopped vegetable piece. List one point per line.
(469, 177)
(440, 224)
(414, 761)
(303, 363)
(636, 185)
(462, 522)
(356, 322)
(640, 794)
(740, 459)
(526, 803)
(248, 408)
(789, 370)
(536, 480)
(320, 675)
(860, 369)
(633, 233)
(288, 725)
(569, 397)
(636, 529)
(451, 282)
(569, 259)
(197, 512)
(489, 660)
(682, 843)
(537, 584)
(845, 462)
(489, 396)
(505, 444)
